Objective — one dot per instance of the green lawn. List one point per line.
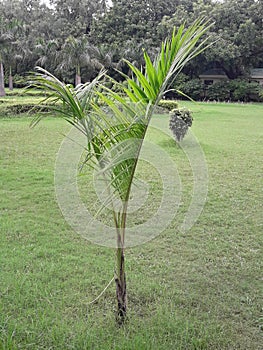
(195, 290)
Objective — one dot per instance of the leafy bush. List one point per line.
(220, 91)
(21, 108)
(225, 90)
(14, 106)
(180, 121)
(168, 104)
(234, 90)
(17, 92)
(19, 81)
(243, 90)
(194, 88)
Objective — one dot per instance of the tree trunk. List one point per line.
(120, 281)
(10, 80)
(77, 80)
(231, 71)
(77, 77)
(2, 82)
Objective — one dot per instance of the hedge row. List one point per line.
(168, 104)
(227, 90)
(15, 109)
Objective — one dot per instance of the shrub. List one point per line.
(15, 109)
(180, 121)
(243, 90)
(168, 104)
(194, 88)
(225, 90)
(234, 90)
(220, 91)
(19, 81)
(21, 92)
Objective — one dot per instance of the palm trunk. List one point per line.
(120, 276)
(10, 80)
(120, 281)
(77, 77)
(2, 82)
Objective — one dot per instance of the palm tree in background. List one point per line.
(75, 54)
(14, 53)
(8, 49)
(2, 76)
(46, 51)
(6, 37)
(115, 124)
(102, 57)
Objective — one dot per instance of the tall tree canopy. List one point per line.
(124, 28)
(75, 17)
(237, 29)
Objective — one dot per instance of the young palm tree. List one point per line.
(115, 127)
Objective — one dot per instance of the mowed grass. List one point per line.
(196, 290)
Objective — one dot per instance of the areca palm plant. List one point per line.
(115, 124)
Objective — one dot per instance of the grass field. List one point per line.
(196, 290)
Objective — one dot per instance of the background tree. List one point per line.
(126, 27)
(3, 40)
(13, 51)
(239, 27)
(46, 51)
(12, 57)
(75, 17)
(75, 54)
(237, 31)
(6, 37)
(131, 22)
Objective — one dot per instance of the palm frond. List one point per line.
(173, 56)
(64, 100)
(114, 123)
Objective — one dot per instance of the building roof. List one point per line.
(214, 72)
(218, 72)
(256, 73)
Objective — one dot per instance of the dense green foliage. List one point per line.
(226, 90)
(33, 34)
(168, 104)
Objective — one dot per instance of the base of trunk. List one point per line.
(77, 80)
(2, 84)
(10, 83)
(121, 300)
